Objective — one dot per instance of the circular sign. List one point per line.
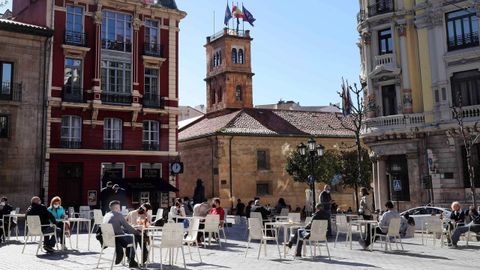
(177, 167)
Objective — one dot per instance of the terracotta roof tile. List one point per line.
(267, 122)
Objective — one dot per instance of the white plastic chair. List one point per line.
(343, 227)
(108, 237)
(435, 227)
(212, 226)
(318, 233)
(172, 238)
(294, 217)
(308, 220)
(393, 232)
(257, 232)
(97, 219)
(85, 212)
(191, 238)
(158, 216)
(34, 227)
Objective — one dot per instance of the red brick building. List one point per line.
(113, 100)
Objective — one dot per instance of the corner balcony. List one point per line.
(385, 63)
(398, 121)
(10, 91)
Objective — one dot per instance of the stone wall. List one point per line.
(20, 154)
(242, 184)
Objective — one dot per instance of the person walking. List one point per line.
(326, 200)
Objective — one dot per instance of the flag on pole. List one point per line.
(237, 12)
(247, 16)
(346, 100)
(228, 15)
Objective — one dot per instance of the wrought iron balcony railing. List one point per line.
(463, 41)
(11, 91)
(110, 145)
(153, 101)
(153, 49)
(71, 144)
(151, 146)
(72, 94)
(75, 38)
(116, 98)
(381, 7)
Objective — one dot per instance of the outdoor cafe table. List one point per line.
(10, 217)
(78, 221)
(144, 230)
(373, 224)
(285, 226)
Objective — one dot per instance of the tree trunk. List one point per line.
(359, 166)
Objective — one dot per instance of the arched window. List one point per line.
(238, 93)
(240, 56)
(219, 57)
(234, 56)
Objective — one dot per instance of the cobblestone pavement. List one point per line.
(231, 256)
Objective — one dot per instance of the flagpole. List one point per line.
(243, 20)
(214, 22)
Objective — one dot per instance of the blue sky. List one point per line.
(301, 49)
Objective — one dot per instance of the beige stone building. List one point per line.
(22, 99)
(239, 151)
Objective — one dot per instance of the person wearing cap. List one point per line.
(320, 214)
(106, 196)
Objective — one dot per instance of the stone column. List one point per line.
(137, 23)
(381, 194)
(369, 66)
(406, 89)
(97, 91)
(374, 182)
(414, 180)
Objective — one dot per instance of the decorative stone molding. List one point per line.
(75, 51)
(407, 101)
(366, 38)
(98, 17)
(371, 106)
(152, 61)
(137, 23)
(402, 31)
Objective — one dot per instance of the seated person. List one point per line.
(121, 227)
(217, 210)
(36, 208)
(320, 214)
(382, 225)
(177, 211)
(59, 213)
(457, 217)
(257, 207)
(473, 226)
(5, 209)
(140, 216)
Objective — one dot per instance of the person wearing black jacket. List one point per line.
(320, 214)
(5, 209)
(106, 196)
(261, 209)
(473, 226)
(36, 208)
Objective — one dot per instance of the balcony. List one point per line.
(229, 32)
(463, 41)
(72, 94)
(151, 146)
(395, 121)
(153, 101)
(116, 98)
(71, 144)
(11, 91)
(109, 145)
(469, 112)
(153, 49)
(381, 7)
(117, 45)
(75, 38)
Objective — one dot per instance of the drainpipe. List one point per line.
(230, 170)
(213, 142)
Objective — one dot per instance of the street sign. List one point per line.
(311, 179)
(397, 185)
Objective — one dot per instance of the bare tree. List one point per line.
(353, 120)
(470, 136)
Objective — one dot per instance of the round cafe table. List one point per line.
(285, 225)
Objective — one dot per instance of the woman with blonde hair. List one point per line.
(457, 217)
(59, 213)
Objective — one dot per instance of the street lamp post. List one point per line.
(314, 151)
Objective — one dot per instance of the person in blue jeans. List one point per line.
(473, 226)
(320, 214)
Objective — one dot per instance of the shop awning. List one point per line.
(150, 184)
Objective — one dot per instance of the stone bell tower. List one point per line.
(229, 70)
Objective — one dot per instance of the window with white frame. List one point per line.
(116, 77)
(71, 131)
(151, 135)
(116, 31)
(74, 25)
(112, 133)
(152, 37)
(151, 82)
(151, 170)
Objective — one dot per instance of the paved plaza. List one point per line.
(231, 256)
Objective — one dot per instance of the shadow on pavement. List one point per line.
(334, 261)
(417, 255)
(179, 265)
